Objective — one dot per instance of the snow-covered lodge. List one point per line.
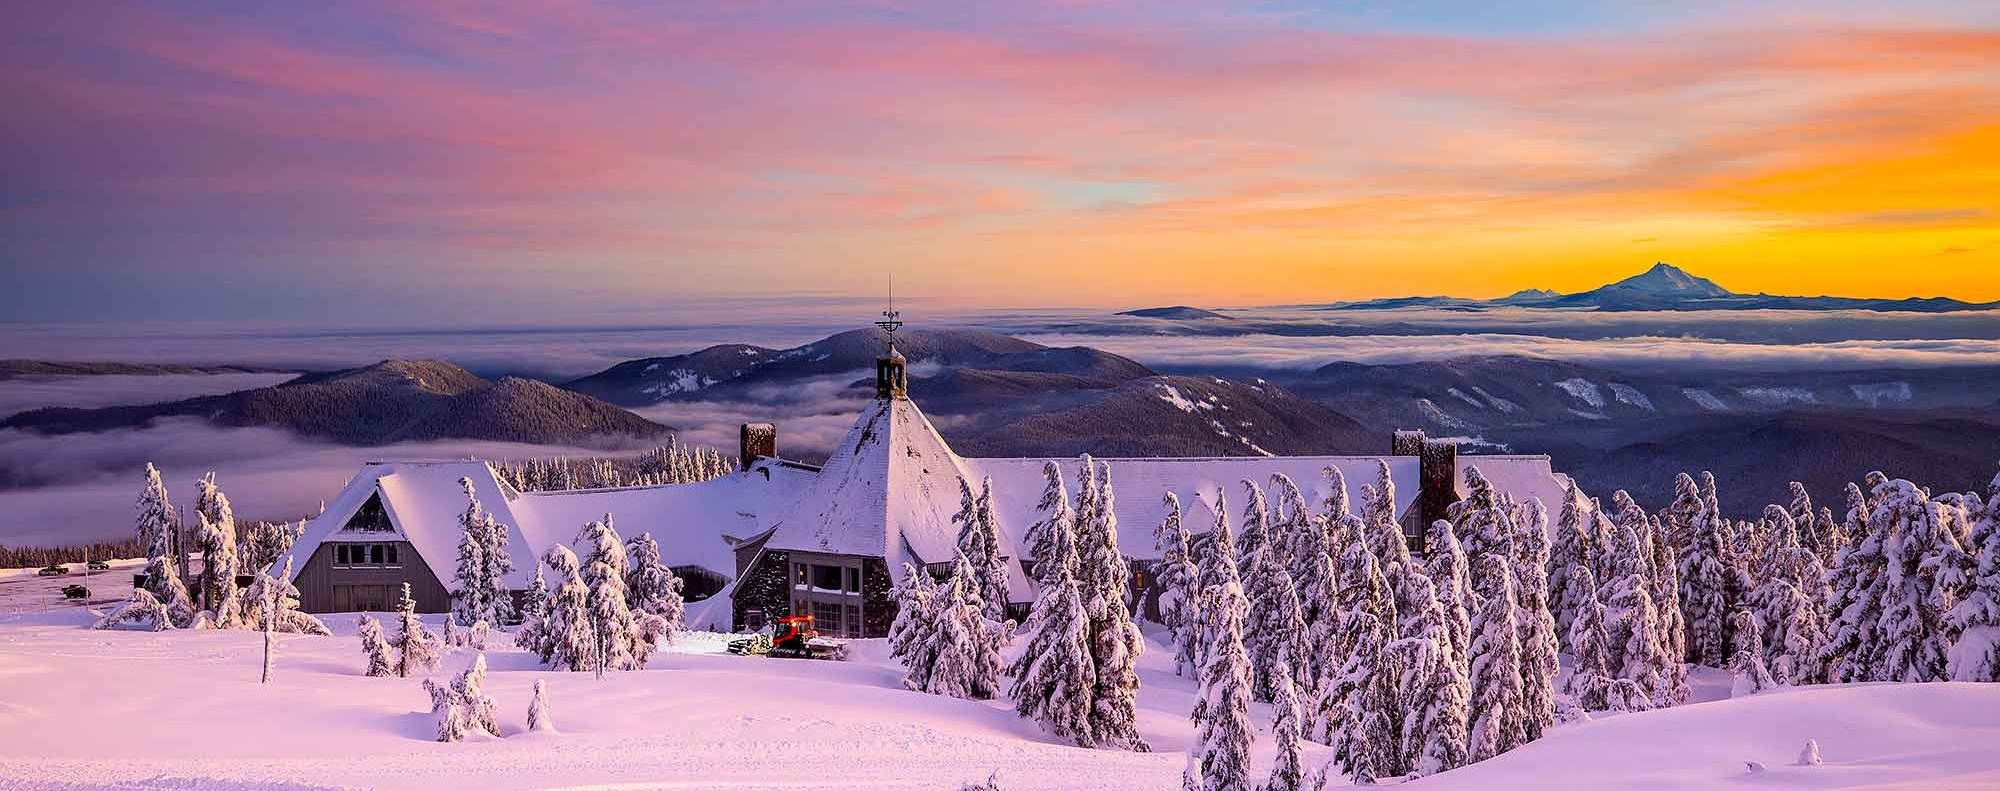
(781, 537)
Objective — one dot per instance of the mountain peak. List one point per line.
(1665, 279)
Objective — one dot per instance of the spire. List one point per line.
(892, 370)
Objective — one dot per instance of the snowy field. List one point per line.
(82, 709)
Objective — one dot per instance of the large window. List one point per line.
(826, 618)
(363, 555)
(826, 578)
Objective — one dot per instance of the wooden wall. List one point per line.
(316, 580)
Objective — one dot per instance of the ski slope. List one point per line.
(82, 709)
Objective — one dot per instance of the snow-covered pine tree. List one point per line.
(568, 640)
(1360, 706)
(450, 635)
(1216, 564)
(615, 632)
(1268, 632)
(967, 653)
(1975, 619)
(1496, 660)
(1057, 518)
(1915, 595)
(1287, 773)
(276, 596)
(1451, 574)
(143, 609)
(1438, 697)
(1703, 553)
(217, 542)
(1219, 759)
(1666, 592)
(1053, 677)
(911, 635)
(375, 647)
(979, 541)
(1378, 510)
(1539, 644)
(1590, 674)
(1854, 645)
(1746, 667)
(466, 708)
(532, 637)
(1787, 613)
(539, 716)
(1570, 548)
(651, 587)
(1481, 522)
(417, 649)
(1115, 642)
(498, 599)
(155, 527)
(470, 589)
(1638, 652)
(1175, 577)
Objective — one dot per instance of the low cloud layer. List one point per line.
(33, 392)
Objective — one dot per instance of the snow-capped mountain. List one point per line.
(1666, 287)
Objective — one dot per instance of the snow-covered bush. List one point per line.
(142, 609)
(417, 649)
(539, 716)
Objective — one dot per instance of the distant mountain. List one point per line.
(1175, 313)
(10, 369)
(1175, 416)
(390, 401)
(725, 371)
(1667, 287)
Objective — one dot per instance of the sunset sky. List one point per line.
(563, 161)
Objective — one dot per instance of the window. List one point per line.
(853, 622)
(384, 555)
(851, 580)
(826, 578)
(798, 575)
(375, 555)
(826, 618)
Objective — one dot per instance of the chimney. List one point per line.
(759, 441)
(1437, 478)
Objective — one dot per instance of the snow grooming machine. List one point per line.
(789, 637)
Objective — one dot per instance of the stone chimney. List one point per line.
(759, 441)
(1437, 478)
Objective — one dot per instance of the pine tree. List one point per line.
(499, 600)
(1438, 696)
(465, 707)
(1451, 574)
(1176, 579)
(417, 648)
(1639, 652)
(470, 588)
(1058, 519)
(651, 587)
(375, 647)
(1975, 619)
(1115, 643)
(1590, 677)
(912, 635)
(451, 636)
(1913, 640)
(1053, 677)
(614, 631)
(1217, 562)
(533, 636)
(1853, 650)
(1539, 645)
(1496, 660)
(1361, 699)
(1746, 666)
(155, 527)
(277, 597)
(979, 541)
(1570, 549)
(1275, 625)
(1378, 511)
(1219, 759)
(1703, 573)
(539, 717)
(1480, 521)
(570, 643)
(143, 609)
(1287, 773)
(217, 541)
(963, 648)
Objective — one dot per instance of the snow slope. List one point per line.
(81, 709)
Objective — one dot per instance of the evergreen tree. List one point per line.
(1105, 582)
(1053, 677)
(1854, 644)
(1539, 645)
(1638, 653)
(979, 541)
(470, 588)
(533, 636)
(1703, 573)
(1480, 521)
(143, 609)
(912, 635)
(1287, 774)
(1220, 757)
(1590, 677)
(964, 651)
(277, 598)
(1175, 576)
(1570, 549)
(1058, 519)
(1438, 695)
(1915, 596)
(375, 646)
(1378, 511)
(1216, 564)
(155, 527)
(217, 541)
(1975, 619)
(1746, 666)
(651, 587)
(497, 597)
(1361, 700)
(539, 717)
(570, 642)
(1496, 660)
(1275, 626)
(615, 631)
(417, 649)
(1451, 574)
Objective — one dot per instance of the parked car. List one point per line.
(98, 565)
(75, 592)
(53, 570)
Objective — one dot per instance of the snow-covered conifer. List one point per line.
(375, 647)
(1275, 626)
(470, 589)
(1360, 702)
(217, 541)
(1481, 522)
(1378, 511)
(1057, 518)
(912, 635)
(1570, 549)
(1915, 596)
(1638, 651)
(417, 649)
(1539, 644)
(964, 654)
(979, 541)
(1703, 552)
(1175, 578)
(1451, 574)
(1590, 676)
(1053, 677)
(539, 716)
(568, 639)
(1975, 654)
(498, 599)
(1219, 759)
(1496, 660)
(651, 587)
(450, 636)
(1438, 697)
(615, 631)
(1287, 773)
(277, 597)
(1746, 666)
(142, 609)
(1105, 583)
(532, 637)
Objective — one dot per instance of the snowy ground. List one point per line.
(82, 709)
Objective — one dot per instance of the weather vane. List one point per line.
(892, 319)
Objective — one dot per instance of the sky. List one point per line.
(538, 161)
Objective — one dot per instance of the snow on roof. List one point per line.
(1523, 477)
(424, 500)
